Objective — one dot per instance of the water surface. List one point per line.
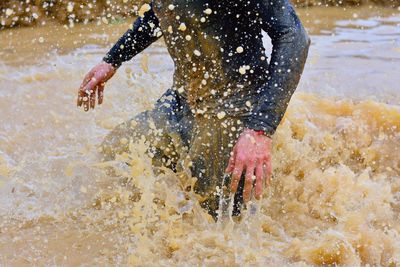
(336, 190)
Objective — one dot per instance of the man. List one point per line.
(226, 100)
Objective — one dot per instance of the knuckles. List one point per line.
(243, 158)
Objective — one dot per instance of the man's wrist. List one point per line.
(260, 132)
(256, 132)
(109, 60)
(256, 124)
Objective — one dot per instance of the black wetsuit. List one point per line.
(221, 71)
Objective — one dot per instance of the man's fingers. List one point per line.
(86, 80)
(86, 104)
(88, 95)
(231, 164)
(83, 98)
(236, 175)
(259, 180)
(268, 172)
(92, 98)
(83, 93)
(100, 93)
(248, 183)
(79, 100)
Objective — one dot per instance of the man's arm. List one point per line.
(145, 30)
(289, 52)
(252, 152)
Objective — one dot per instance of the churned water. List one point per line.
(335, 195)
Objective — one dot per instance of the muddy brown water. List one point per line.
(335, 197)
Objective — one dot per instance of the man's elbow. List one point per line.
(297, 36)
(303, 40)
(307, 39)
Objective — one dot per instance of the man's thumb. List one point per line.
(90, 86)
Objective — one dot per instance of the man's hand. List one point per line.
(252, 155)
(93, 84)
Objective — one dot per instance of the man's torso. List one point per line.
(216, 46)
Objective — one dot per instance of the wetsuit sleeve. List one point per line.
(144, 31)
(289, 52)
